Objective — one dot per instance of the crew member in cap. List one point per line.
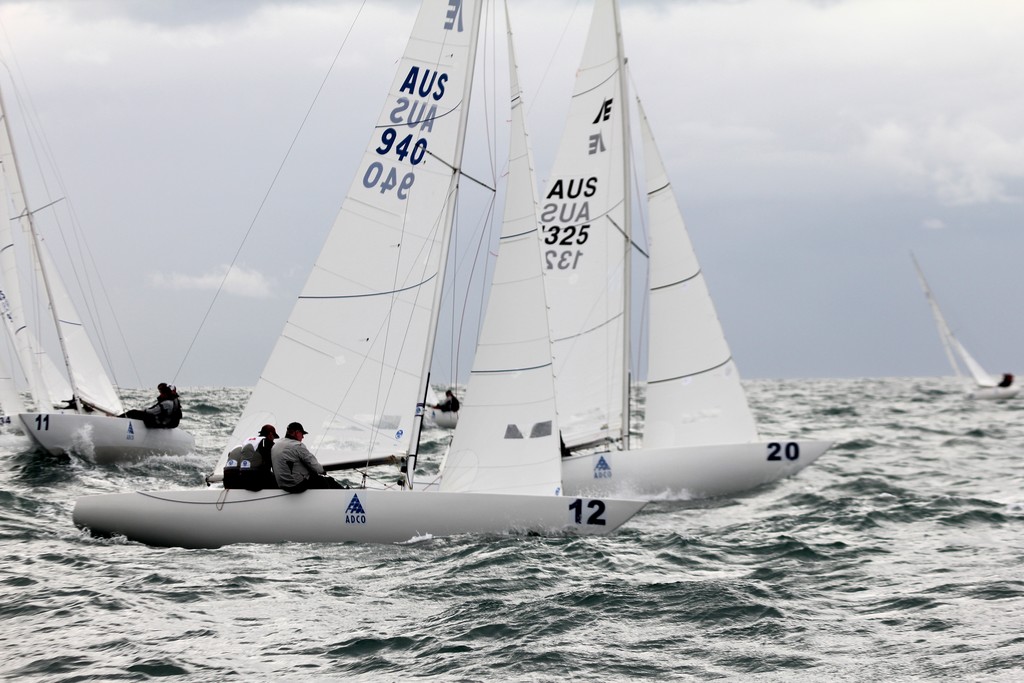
(264, 447)
(248, 464)
(295, 467)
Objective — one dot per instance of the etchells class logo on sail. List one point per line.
(602, 470)
(355, 514)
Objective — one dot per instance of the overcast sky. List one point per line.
(812, 146)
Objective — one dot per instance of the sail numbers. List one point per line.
(595, 517)
(573, 208)
(416, 109)
(387, 178)
(373, 178)
(776, 450)
(564, 235)
(402, 149)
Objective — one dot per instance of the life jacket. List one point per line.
(173, 419)
(248, 466)
(232, 469)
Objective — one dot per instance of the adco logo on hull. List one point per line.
(602, 470)
(355, 514)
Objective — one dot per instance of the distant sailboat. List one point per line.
(86, 401)
(353, 359)
(435, 417)
(980, 384)
(700, 437)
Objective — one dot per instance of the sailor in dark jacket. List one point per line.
(165, 413)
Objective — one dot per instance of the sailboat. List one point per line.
(78, 413)
(980, 384)
(353, 359)
(700, 437)
(435, 417)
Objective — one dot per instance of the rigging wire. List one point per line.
(82, 267)
(486, 228)
(273, 183)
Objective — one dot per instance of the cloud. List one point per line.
(933, 224)
(961, 164)
(162, 13)
(239, 281)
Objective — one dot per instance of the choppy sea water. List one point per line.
(897, 556)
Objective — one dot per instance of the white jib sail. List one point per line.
(694, 395)
(507, 437)
(349, 364)
(583, 218)
(10, 399)
(90, 378)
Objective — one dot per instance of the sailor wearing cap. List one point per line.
(295, 467)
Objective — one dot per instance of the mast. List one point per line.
(37, 250)
(945, 334)
(449, 217)
(627, 334)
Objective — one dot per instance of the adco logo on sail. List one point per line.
(355, 514)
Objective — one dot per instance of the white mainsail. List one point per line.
(89, 380)
(507, 437)
(585, 243)
(694, 395)
(351, 362)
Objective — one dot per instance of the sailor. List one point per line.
(295, 467)
(449, 404)
(165, 413)
(248, 464)
(1007, 380)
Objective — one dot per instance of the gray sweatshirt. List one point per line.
(293, 462)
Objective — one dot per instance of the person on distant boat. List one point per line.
(1007, 380)
(295, 466)
(450, 404)
(72, 404)
(164, 414)
(249, 465)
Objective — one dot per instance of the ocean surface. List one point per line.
(898, 556)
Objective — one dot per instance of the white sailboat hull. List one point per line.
(442, 419)
(993, 393)
(688, 471)
(212, 518)
(101, 438)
